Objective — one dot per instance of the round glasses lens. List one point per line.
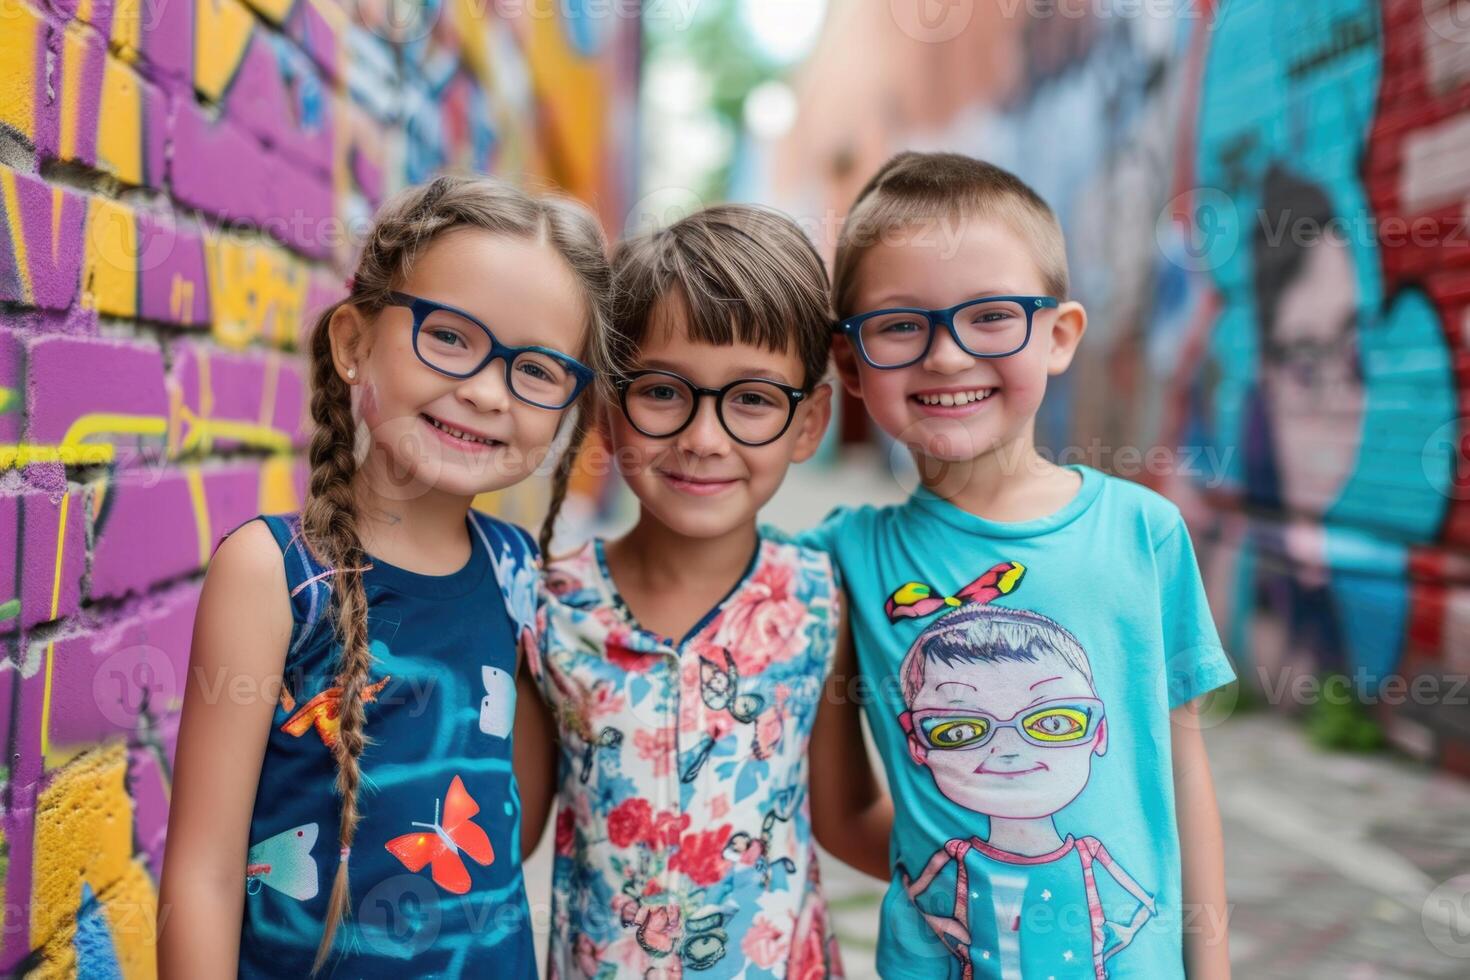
(658, 404)
(542, 379)
(991, 326)
(892, 339)
(755, 411)
(451, 343)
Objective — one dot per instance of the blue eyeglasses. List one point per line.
(992, 326)
(458, 345)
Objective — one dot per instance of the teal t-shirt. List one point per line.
(1018, 678)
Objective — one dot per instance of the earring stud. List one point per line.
(352, 374)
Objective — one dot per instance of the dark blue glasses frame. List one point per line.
(422, 308)
(853, 325)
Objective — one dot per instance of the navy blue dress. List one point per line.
(436, 886)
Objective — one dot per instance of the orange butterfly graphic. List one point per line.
(440, 844)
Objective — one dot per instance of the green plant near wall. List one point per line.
(1344, 724)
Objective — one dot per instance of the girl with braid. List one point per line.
(344, 798)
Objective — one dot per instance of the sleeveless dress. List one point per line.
(436, 886)
(683, 842)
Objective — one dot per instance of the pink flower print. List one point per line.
(604, 700)
(668, 827)
(630, 822)
(700, 856)
(621, 653)
(658, 747)
(691, 701)
(719, 805)
(760, 624)
(764, 944)
(814, 954)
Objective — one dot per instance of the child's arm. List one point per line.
(241, 631)
(535, 757)
(851, 815)
(1201, 849)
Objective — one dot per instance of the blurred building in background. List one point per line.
(182, 185)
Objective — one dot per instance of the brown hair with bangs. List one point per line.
(916, 191)
(743, 274)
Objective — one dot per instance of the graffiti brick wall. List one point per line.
(180, 184)
(1266, 206)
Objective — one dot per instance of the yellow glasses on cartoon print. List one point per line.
(1048, 724)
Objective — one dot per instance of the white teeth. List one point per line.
(957, 398)
(456, 432)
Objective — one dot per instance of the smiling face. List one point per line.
(461, 437)
(952, 406)
(701, 482)
(993, 769)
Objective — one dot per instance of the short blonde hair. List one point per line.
(917, 188)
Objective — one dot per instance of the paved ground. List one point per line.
(1339, 867)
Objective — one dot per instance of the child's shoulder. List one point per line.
(503, 538)
(802, 548)
(1128, 501)
(843, 526)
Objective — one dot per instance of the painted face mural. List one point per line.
(1314, 347)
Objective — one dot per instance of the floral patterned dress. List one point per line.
(683, 829)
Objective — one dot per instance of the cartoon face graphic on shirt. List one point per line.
(1001, 709)
(1013, 735)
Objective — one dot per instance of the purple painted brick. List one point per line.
(19, 824)
(85, 100)
(311, 30)
(12, 384)
(145, 534)
(236, 383)
(146, 785)
(218, 167)
(290, 409)
(278, 96)
(173, 279)
(233, 493)
(10, 578)
(157, 109)
(167, 40)
(308, 202)
(52, 240)
(71, 377)
(103, 678)
(30, 531)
